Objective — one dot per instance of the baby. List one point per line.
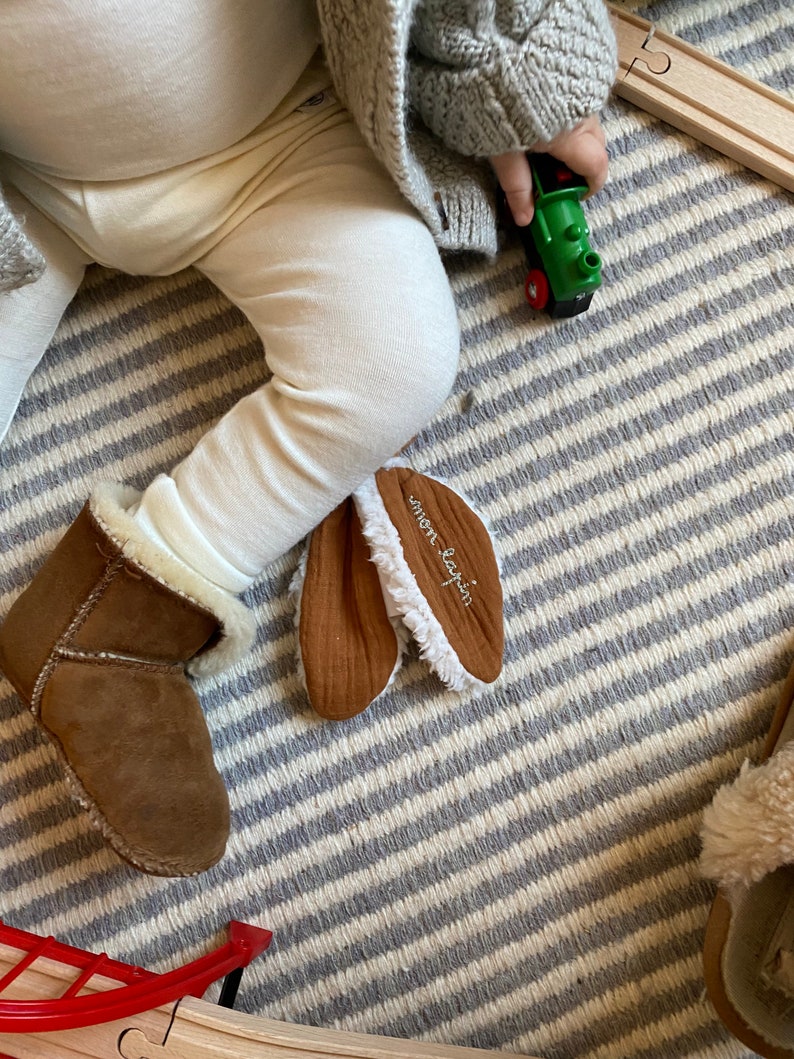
(311, 158)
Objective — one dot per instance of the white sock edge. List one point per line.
(108, 504)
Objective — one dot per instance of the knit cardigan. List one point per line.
(438, 86)
(20, 262)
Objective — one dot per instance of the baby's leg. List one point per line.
(30, 315)
(345, 287)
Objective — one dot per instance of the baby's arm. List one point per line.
(495, 78)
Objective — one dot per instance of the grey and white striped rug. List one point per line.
(516, 870)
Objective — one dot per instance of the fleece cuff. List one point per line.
(748, 830)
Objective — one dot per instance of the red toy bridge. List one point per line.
(139, 990)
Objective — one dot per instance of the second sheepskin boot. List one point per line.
(98, 646)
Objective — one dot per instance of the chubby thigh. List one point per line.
(345, 287)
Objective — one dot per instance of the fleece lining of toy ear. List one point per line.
(399, 581)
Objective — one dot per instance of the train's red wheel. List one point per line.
(536, 287)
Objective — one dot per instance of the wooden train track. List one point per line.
(705, 98)
(44, 983)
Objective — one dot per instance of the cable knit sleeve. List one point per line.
(495, 76)
(20, 262)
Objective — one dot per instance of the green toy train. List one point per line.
(564, 270)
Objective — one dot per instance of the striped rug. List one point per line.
(515, 870)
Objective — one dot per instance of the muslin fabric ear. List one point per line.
(349, 648)
(406, 555)
(439, 567)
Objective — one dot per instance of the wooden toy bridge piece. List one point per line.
(705, 98)
(58, 1002)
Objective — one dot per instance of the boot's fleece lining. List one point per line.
(758, 957)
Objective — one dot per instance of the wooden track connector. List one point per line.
(705, 98)
(203, 1031)
(51, 976)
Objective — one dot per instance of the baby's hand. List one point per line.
(582, 149)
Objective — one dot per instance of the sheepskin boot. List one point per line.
(98, 646)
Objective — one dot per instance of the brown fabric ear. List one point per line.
(450, 554)
(349, 648)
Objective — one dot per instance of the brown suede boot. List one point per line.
(97, 646)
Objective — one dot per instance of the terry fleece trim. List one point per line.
(400, 584)
(748, 830)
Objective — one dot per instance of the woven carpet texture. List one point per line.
(516, 869)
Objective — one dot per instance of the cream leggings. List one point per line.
(343, 284)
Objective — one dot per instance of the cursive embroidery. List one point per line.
(455, 577)
(422, 519)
